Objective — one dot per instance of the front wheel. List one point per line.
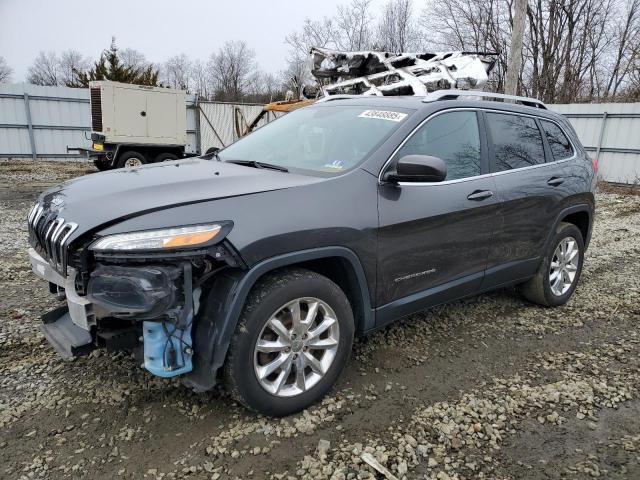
(293, 340)
(559, 271)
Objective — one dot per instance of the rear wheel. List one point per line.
(292, 341)
(559, 272)
(131, 159)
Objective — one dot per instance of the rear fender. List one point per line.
(585, 207)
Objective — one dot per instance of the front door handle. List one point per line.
(480, 195)
(555, 181)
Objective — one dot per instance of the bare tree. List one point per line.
(627, 58)
(232, 69)
(69, 63)
(201, 83)
(5, 71)
(353, 25)
(573, 50)
(314, 33)
(130, 57)
(176, 72)
(397, 28)
(470, 25)
(45, 70)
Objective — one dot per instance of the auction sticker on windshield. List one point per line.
(383, 115)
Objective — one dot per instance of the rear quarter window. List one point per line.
(517, 141)
(560, 145)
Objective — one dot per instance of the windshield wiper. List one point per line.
(254, 164)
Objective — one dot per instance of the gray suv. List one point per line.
(256, 266)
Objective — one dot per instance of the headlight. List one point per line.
(164, 239)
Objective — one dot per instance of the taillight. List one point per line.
(594, 162)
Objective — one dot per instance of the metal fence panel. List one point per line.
(193, 130)
(41, 122)
(610, 132)
(217, 121)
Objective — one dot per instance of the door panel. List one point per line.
(529, 207)
(529, 190)
(433, 234)
(430, 235)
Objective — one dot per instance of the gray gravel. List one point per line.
(491, 387)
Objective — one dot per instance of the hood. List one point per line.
(106, 197)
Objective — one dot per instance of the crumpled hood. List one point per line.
(106, 197)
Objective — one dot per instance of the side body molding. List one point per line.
(222, 309)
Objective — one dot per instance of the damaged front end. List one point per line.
(386, 73)
(152, 304)
(137, 292)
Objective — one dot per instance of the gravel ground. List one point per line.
(491, 387)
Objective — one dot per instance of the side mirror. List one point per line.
(417, 168)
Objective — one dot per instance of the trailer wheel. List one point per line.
(165, 157)
(131, 159)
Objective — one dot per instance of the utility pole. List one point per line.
(515, 52)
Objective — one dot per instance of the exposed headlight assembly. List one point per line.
(164, 239)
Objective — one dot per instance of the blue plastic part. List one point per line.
(158, 357)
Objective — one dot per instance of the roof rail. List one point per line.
(453, 94)
(342, 96)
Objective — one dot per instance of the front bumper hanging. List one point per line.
(125, 306)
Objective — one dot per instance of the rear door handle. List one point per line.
(555, 181)
(480, 195)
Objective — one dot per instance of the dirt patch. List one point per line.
(490, 387)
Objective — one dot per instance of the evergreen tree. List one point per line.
(110, 67)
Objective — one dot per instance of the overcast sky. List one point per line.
(158, 28)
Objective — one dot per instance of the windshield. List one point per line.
(322, 139)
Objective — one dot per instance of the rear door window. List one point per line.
(453, 137)
(558, 142)
(517, 141)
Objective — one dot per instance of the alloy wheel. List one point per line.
(564, 266)
(133, 162)
(296, 347)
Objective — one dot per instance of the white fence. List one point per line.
(611, 133)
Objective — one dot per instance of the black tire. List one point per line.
(538, 289)
(265, 299)
(131, 155)
(102, 165)
(165, 157)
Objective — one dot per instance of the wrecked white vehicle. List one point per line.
(386, 73)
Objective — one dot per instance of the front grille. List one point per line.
(49, 234)
(96, 109)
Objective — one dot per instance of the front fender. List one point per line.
(226, 298)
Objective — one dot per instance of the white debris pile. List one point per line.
(385, 73)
